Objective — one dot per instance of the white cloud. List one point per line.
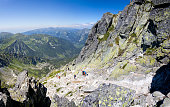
(85, 25)
(18, 29)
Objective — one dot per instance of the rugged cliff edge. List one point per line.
(26, 93)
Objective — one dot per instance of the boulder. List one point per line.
(166, 103)
(158, 96)
(62, 102)
(109, 95)
(168, 95)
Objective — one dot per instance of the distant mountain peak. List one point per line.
(20, 48)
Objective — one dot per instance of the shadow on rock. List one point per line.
(161, 81)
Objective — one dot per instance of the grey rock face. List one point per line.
(126, 20)
(62, 102)
(160, 2)
(159, 26)
(3, 99)
(138, 1)
(27, 92)
(109, 95)
(92, 42)
(22, 77)
(30, 92)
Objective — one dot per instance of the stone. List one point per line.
(22, 77)
(150, 100)
(140, 100)
(138, 1)
(108, 95)
(160, 2)
(3, 99)
(158, 96)
(168, 95)
(62, 102)
(166, 103)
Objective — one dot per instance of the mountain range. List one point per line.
(77, 36)
(19, 52)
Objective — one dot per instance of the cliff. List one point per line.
(138, 35)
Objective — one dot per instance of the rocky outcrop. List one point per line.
(109, 95)
(27, 92)
(100, 28)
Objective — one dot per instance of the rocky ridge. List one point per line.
(27, 92)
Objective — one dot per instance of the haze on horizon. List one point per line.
(22, 15)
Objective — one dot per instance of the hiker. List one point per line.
(58, 77)
(74, 76)
(84, 73)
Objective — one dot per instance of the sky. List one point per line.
(22, 15)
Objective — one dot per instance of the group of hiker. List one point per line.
(83, 73)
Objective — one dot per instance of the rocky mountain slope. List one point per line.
(130, 49)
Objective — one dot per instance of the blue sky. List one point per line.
(22, 15)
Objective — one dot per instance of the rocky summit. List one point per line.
(126, 60)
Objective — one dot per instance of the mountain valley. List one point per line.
(19, 52)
